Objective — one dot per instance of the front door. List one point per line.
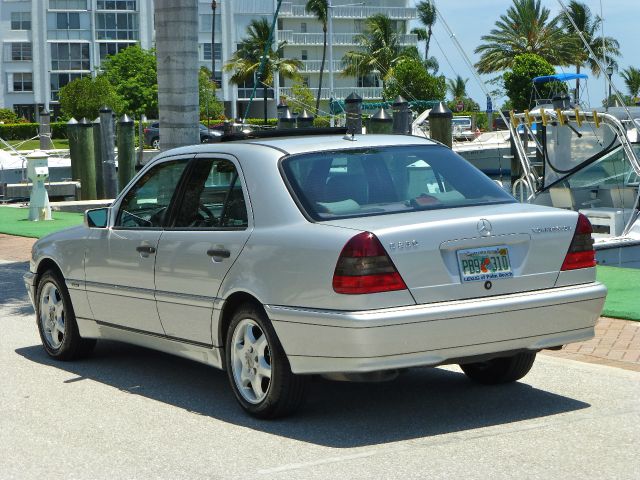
(120, 261)
(210, 228)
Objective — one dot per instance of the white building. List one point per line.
(47, 43)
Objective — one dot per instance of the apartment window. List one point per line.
(68, 21)
(357, 26)
(70, 56)
(20, 20)
(67, 4)
(303, 27)
(117, 26)
(206, 51)
(305, 81)
(117, 5)
(112, 48)
(22, 82)
(305, 55)
(59, 80)
(21, 51)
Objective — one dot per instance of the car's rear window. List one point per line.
(383, 180)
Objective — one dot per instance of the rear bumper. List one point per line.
(329, 341)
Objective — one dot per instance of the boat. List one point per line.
(587, 161)
(13, 166)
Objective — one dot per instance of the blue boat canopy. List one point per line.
(560, 77)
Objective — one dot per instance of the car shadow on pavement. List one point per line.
(13, 295)
(421, 403)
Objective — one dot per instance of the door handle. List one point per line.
(148, 249)
(222, 253)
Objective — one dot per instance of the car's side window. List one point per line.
(147, 203)
(213, 197)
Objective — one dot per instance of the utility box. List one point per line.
(38, 172)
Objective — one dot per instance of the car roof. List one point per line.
(314, 143)
(300, 144)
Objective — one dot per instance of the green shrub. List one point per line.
(19, 131)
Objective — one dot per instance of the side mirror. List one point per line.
(97, 217)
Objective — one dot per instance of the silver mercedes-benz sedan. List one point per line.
(350, 257)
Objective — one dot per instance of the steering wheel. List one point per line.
(208, 219)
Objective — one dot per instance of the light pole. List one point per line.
(609, 74)
(330, 52)
(214, 5)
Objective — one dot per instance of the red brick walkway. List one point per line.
(617, 342)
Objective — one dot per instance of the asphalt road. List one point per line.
(133, 413)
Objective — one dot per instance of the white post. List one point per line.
(38, 172)
(330, 32)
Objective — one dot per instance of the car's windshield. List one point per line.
(374, 181)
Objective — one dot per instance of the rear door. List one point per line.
(208, 232)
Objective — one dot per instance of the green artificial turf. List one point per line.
(623, 300)
(14, 221)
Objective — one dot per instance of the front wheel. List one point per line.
(57, 322)
(500, 370)
(258, 368)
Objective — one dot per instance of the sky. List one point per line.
(471, 19)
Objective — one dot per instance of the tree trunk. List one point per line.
(577, 99)
(177, 54)
(324, 53)
(264, 91)
(426, 44)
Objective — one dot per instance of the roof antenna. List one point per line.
(350, 135)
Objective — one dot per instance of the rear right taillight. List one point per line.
(581, 253)
(365, 267)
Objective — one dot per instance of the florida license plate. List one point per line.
(486, 263)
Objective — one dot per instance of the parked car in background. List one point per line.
(152, 134)
(348, 257)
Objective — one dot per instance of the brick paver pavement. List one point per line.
(617, 342)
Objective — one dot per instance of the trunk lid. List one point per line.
(425, 247)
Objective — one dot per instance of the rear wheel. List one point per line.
(258, 368)
(500, 370)
(155, 143)
(57, 322)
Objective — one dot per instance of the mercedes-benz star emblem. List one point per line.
(484, 227)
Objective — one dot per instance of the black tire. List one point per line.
(61, 345)
(205, 139)
(500, 370)
(285, 391)
(155, 143)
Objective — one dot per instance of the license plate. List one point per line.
(486, 263)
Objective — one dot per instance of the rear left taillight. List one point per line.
(581, 253)
(145, 131)
(365, 267)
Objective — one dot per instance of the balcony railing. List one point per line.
(293, 38)
(244, 93)
(310, 66)
(367, 93)
(253, 6)
(395, 13)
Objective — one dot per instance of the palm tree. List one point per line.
(427, 16)
(321, 10)
(631, 78)
(526, 28)
(589, 26)
(430, 63)
(457, 87)
(381, 49)
(246, 60)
